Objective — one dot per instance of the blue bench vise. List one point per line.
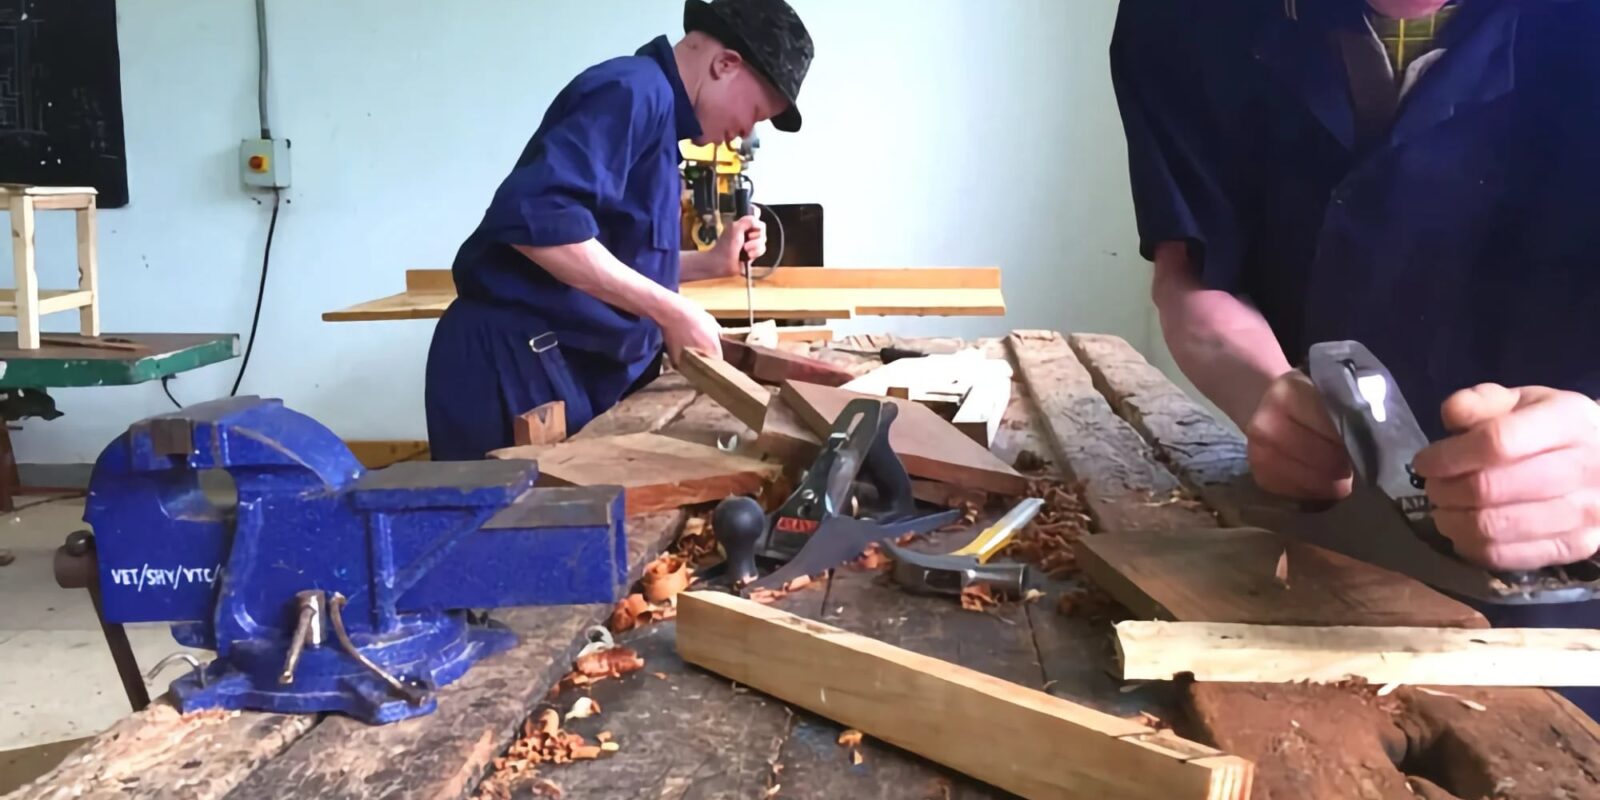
(326, 587)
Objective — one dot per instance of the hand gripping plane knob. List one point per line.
(738, 523)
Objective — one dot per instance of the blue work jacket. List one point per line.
(602, 165)
(1463, 246)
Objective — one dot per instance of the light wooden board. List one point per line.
(1018, 739)
(657, 473)
(1230, 652)
(1231, 575)
(806, 334)
(730, 388)
(928, 446)
(789, 293)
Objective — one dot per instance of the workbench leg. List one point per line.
(89, 270)
(27, 302)
(9, 480)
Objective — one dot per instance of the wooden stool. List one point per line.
(28, 302)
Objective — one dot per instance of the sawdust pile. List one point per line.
(1050, 542)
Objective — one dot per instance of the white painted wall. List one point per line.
(938, 132)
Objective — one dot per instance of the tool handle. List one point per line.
(997, 535)
(738, 524)
(741, 209)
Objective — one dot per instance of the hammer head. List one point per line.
(931, 573)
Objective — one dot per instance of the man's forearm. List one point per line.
(699, 265)
(590, 268)
(1222, 344)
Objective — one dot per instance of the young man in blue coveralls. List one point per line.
(1420, 176)
(567, 290)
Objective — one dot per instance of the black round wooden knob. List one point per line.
(739, 523)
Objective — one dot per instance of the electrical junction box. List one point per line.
(264, 163)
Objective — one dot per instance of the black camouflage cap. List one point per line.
(768, 35)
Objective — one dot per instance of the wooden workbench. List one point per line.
(1112, 425)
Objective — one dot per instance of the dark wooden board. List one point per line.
(1231, 575)
(657, 472)
(927, 445)
(1126, 488)
(648, 409)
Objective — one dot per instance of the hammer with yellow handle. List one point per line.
(950, 573)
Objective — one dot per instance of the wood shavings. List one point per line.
(850, 738)
(874, 559)
(543, 742)
(1049, 542)
(1032, 596)
(665, 577)
(855, 758)
(1150, 720)
(594, 667)
(612, 663)
(603, 737)
(583, 708)
(1281, 574)
(977, 597)
(1472, 704)
(771, 595)
(1386, 689)
(696, 545)
(772, 791)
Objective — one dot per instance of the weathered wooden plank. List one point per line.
(1184, 434)
(1124, 485)
(159, 753)
(444, 754)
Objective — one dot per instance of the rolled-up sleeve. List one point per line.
(1173, 148)
(581, 165)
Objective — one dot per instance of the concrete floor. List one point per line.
(57, 680)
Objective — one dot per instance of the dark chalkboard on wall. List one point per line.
(61, 96)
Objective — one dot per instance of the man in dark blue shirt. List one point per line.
(568, 289)
(1418, 176)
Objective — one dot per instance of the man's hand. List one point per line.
(1518, 485)
(746, 233)
(685, 324)
(1293, 447)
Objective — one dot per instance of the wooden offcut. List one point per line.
(1231, 575)
(927, 445)
(1229, 652)
(1015, 738)
(789, 293)
(656, 472)
(730, 388)
(542, 425)
(771, 366)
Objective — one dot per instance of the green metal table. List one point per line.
(113, 359)
(69, 360)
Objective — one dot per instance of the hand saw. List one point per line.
(1382, 437)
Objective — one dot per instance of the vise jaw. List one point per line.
(322, 586)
